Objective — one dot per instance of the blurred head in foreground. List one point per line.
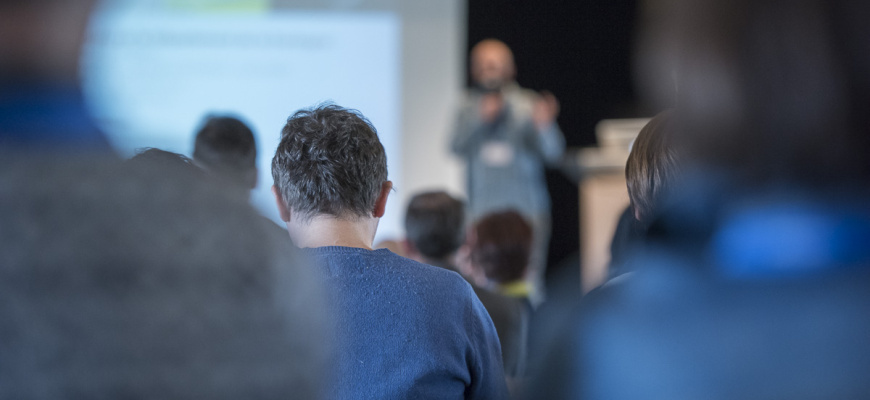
(226, 148)
(766, 296)
(771, 93)
(137, 280)
(41, 105)
(41, 39)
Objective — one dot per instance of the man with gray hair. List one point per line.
(405, 329)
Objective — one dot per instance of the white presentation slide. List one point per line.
(153, 70)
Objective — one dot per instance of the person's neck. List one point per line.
(323, 231)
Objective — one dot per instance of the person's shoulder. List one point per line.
(435, 279)
(428, 271)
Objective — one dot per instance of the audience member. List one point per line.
(499, 248)
(225, 147)
(406, 330)
(136, 280)
(506, 134)
(652, 168)
(435, 229)
(754, 285)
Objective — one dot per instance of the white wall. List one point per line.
(434, 57)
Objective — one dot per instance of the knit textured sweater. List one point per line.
(407, 330)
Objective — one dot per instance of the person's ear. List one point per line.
(282, 208)
(381, 202)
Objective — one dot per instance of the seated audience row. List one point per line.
(146, 279)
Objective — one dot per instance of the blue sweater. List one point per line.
(48, 118)
(407, 330)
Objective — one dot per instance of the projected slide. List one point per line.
(152, 71)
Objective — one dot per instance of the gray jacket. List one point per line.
(505, 159)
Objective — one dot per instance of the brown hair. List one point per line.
(652, 166)
(502, 245)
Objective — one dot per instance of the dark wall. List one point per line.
(581, 51)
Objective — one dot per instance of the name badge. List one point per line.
(497, 153)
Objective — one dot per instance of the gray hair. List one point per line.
(329, 162)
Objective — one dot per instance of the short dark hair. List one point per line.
(434, 223)
(329, 162)
(226, 146)
(652, 168)
(502, 245)
(157, 160)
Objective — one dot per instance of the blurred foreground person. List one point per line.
(435, 229)
(405, 329)
(129, 280)
(507, 135)
(754, 284)
(41, 103)
(139, 280)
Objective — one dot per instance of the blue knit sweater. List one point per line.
(407, 330)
